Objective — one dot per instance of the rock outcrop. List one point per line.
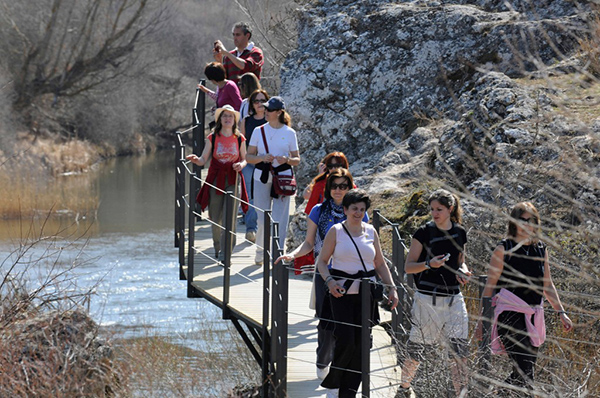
(476, 94)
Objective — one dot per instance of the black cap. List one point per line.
(274, 104)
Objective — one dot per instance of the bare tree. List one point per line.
(65, 47)
(275, 28)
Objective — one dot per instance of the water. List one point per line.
(124, 252)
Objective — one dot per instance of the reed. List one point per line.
(34, 195)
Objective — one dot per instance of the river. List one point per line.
(124, 251)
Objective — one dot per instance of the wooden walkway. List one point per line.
(246, 299)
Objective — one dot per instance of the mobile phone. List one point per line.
(446, 257)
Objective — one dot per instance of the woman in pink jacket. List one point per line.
(519, 268)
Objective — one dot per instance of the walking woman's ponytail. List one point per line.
(449, 200)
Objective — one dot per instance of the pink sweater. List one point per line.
(508, 301)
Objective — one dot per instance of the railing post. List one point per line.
(397, 271)
(365, 338)
(227, 249)
(486, 313)
(377, 220)
(198, 117)
(178, 195)
(279, 319)
(180, 214)
(191, 237)
(266, 357)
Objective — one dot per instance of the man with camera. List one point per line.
(246, 57)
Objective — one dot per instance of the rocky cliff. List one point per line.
(495, 99)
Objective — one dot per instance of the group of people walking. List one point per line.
(253, 141)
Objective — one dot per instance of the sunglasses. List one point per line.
(530, 220)
(271, 110)
(343, 186)
(334, 166)
(259, 101)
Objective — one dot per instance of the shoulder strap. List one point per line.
(507, 250)
(357, 250)
(212, 142)
(262, 130)
(430, 227)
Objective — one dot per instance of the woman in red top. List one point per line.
(227, 161)
(314, 193)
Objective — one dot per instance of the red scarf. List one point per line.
(218, 173)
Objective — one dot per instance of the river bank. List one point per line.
(119, 258)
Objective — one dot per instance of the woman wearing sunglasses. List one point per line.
(273, 146)
(520, 269)
(249, 83)
(322, 217)
(255, 118)
(314, 192)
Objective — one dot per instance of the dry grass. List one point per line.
(590, 47)
(159, 366)
(26, 191)
(55, 354)
(568, 363)
(49, 346)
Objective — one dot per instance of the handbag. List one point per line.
(376, 288)
(284, 185)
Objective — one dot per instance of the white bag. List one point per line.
(312, 301)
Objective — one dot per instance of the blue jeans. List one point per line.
(251, 224)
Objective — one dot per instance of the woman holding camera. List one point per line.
(437, 259)
(355, 253)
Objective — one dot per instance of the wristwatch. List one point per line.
(427, 266)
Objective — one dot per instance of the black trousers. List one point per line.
(345, 372)
(513, 334)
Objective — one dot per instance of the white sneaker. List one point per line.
(332, 393)
(322, 372)
(251, 236)
(258, 258)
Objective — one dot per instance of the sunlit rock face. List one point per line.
(455, 90)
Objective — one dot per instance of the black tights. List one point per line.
(513, 333)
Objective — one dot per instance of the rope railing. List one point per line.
(272, 336)
(274, 340)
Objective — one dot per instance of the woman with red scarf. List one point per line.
(226, 149)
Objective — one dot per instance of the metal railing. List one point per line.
(271, 334)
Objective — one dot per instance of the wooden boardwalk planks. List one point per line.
(246, 298)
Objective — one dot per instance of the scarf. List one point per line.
(330, 214)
